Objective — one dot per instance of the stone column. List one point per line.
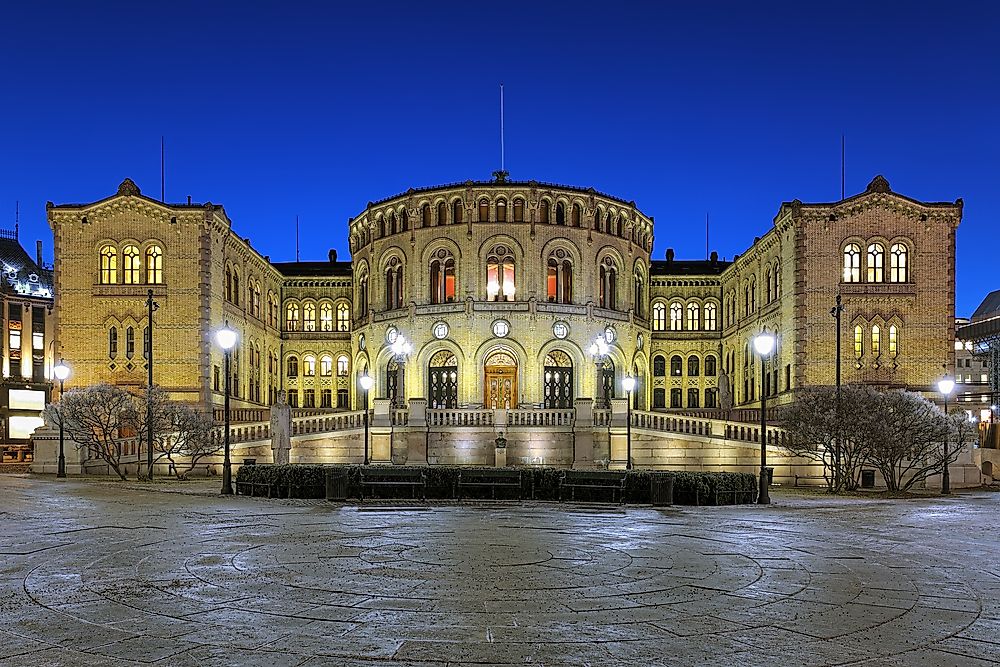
(416, 433)
(583, 434)
(381, 432)
(618, 432)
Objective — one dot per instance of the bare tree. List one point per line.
(190, 435)
(97, 418)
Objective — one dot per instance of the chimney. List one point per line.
(333, 255)
(38, 253)
(670, 255)
(189, 200)
(714, 257)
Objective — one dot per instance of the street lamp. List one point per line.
(226, 338)
(599, 350)
(61, 371)
(946, 386)
(366, 383)
(628, 384)
(837, 311)
(763, 344)
(401, 349)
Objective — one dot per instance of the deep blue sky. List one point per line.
(313, 109)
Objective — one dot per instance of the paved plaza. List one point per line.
(97, 574)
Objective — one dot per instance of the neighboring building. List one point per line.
(26, 293)
(972, 376)
(501, 289)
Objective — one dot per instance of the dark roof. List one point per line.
(21, 275)
(504, 184)
(687, 267)
(985, 324)
(314, 269)
(989, 308)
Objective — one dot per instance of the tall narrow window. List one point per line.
(692, 317)
(500, 285)
(559, 278)
(659, 366)
(898, 264)
(859, 342)
(608, 297)
(577, 215)
(109, 265)
(767, 279)
(710, 316)
(326, 365)
(693, 366)
(852, 263)
(518, 210)
(675, 316)
(394, 284)
(236, 287)
(293, 367)
(710, 366)
(893, 340)
(876, 263)
(560, 213)
(543, 212)
(638, 294)
(229, 284)
(129, 342)
(659, 316)
(442, 218)
(342, 366)
(484, 210)
(326, 317)
(131, 265)
(676, 366)
(425, 215)
(876, 340)
(456, 214)
(113, 342)
(292, 317)
(154, 265)
(442, 278)
(501, 210)
(308, 366)
(309, 317)
(343, 317)
(363, 295)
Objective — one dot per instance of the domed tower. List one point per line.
(495, 294)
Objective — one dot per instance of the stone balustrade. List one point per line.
(541, 417)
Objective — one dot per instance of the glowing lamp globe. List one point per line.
(61, 370)
(366, 382)
(226, 338)
(628, 384)
(763, 344)
(946, 386)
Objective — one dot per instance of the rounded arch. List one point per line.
(562, 243)
(436, 244)
(388, 253)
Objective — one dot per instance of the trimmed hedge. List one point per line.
(309, 481)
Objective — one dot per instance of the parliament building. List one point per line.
(505, 295)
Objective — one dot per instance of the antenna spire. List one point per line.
(706, 235)
(163, 181)
(501, 175)
(843, 161)
(296, 238)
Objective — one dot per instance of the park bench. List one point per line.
(492, 478)
(393, 477)
(825, 481)
(602, 481)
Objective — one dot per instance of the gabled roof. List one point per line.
(19, 274)
(879, 185)
(128, 188)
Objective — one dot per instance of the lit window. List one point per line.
(292, 317)
(876, 263)
(501, 210)
(154, 265)
(343, 317)
(309, 317)
(293, 367)
(326, 365)
(37, 341)
(109, 265)
(559, 278)
(859, 341)
(609, 284)
(518, 210)
(710, 317)
(898, 263)
(692, 317)
(659, 316)
(876, 340)
(676, 365)
(326, 317)
(893, 340)
(500, 285)
(308, 365)
(484, 210)
(442, 275)
(852, 263)
(131, 265)
(675, 316)
(394, 284)
(342, 366)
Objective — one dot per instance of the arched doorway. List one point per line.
(500, 380)
(606, 383)
(558, 380)
(442, 380)
(392, 383)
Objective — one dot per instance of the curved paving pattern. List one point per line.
(95, 575)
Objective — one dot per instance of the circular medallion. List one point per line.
(501, 328)
(391, 334)
(610, 335)
(440, 330)
(560, 330)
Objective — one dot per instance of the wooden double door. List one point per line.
(500, 387)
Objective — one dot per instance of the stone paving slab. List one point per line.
(96, 573)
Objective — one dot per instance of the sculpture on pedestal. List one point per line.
(281, 429)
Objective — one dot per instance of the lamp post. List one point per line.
(151, 306)
(599, 350)
(61, 371)
(226, 338)
(401, 349)
(366, 384)
(945, 386)
(628, 384)
(836, 312)
(763, 344)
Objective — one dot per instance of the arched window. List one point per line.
(394, 284)
(442, 380)
(442, 214)
(777, 281)
(676, 365)
(500, 284)
(255, 299)
(326, 316)
(876, 263)
(694, 366)
(639, 302)
(154, 265)
(859, 342)
(659, 366)
(308, 366)
(442, 278)
(129, 342)
(229, 284)
(608, 297)
(767, 279)
(501, 210)
(710, 316)
(852, 263)
(326, 365)
(577, 215)
(876, 348)
(292, 317)
(560, 213)
(518, 210)
(898, 264)
(597, 220)
(131, 265)
(621, 227)
(559, 278)
(484, 210)
(404, 221)
(675, 316)
(659, 316)
(710, 366)
(363, 295)
(753, 294)
(893, 341)
(293, 366)
(343, 366)
(692, 316)
(272, 309)
(309, 317)
(392, 223)
(456, 212)
(543, 211)
(343, 317)
(425, 215)
(557, 374)
(113, 342)
(236, 287)
(109, 265)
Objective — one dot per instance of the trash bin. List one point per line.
(249, 462)
(661, 490)
(867, 479)
(770, 476)
(336, 484)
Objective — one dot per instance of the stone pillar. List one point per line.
(416, 434)
(381, 432)
(45, 443)
(618, 433)
(583, 434)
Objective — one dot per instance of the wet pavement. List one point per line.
(97, 574)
